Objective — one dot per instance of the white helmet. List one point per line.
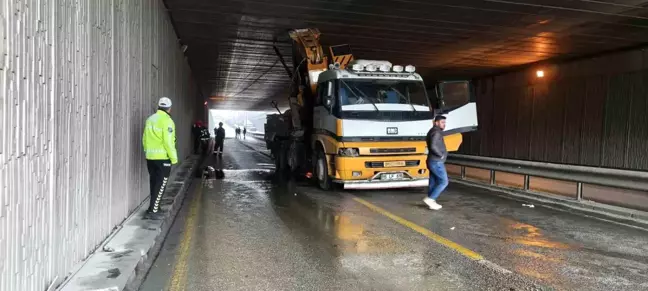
(164, 102)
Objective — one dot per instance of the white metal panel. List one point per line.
(463, 117)
(77, 80)
(374, 128)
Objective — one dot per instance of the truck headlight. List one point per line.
(348, 152)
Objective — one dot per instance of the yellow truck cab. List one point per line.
(370, 121)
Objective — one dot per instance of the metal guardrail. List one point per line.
(257, 134)
(625, 179)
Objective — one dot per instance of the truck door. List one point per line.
(322, 118)
(455, 100)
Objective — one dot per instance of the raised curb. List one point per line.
(122, 261)
(596, 210)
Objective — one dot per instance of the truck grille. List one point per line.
(392, 150)
(382, 164)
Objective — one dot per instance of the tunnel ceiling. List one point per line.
(230, 42)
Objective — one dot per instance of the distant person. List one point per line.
(159, 141)
(220, 139)
(437, 155)
(244, 132)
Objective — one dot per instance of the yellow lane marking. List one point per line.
(422, 230)
(179, 277)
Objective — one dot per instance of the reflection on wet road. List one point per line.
(253, 233)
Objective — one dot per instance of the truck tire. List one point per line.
(280, 159)
(321, 171)
(292, 158)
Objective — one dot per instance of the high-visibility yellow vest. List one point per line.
(159, 137)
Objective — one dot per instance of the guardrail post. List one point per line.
(579, 191)
(526, 182)
(492, 177)
(463, 173)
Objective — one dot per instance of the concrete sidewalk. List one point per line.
(124, 258)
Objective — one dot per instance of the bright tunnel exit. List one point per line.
(252, 121)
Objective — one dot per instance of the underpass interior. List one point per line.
(549, 193)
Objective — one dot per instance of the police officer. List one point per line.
(159, 146)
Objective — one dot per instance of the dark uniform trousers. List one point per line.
(159, 171)
(197, 144)
(219, 146)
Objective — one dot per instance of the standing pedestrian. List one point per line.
(220, 139)
(437, 155)
(244, 132)
(159, 141)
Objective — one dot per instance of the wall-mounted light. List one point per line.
(540, 73)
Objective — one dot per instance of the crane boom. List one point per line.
(306, 42)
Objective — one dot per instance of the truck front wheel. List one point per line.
(280, 158)
(321, 171)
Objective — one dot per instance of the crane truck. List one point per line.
(360, 124)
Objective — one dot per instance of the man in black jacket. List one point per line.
(220, 139)
(437, 155)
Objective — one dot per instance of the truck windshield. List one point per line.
(377, 95)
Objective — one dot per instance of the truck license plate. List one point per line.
(391, 176)
(394, 164)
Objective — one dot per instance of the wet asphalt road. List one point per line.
(250, 232)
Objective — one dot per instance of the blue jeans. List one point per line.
(438, 179)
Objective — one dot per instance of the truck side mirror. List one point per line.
(329, 89)
(328, 101)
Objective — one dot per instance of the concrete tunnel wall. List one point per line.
(77, 80)
(591, 112)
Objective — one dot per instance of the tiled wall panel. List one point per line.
(77, 80)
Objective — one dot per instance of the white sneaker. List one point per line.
(432, 204)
